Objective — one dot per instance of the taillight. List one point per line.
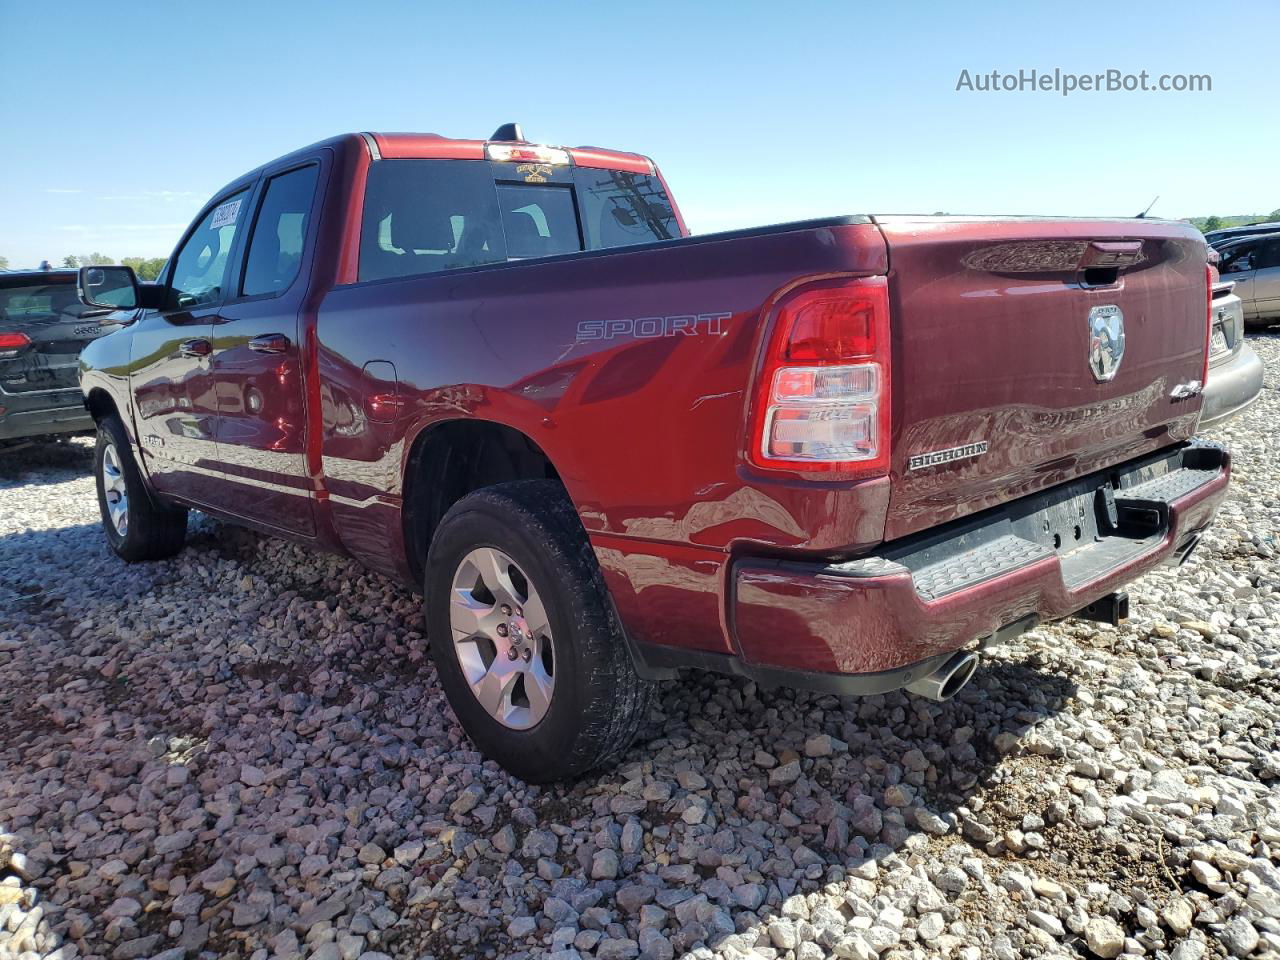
(1208, 322)
(823, 398)
(11, 343)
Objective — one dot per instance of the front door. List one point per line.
(1239, 265)
(256, 364)
(174, 403)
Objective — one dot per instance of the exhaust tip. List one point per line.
(948, 680)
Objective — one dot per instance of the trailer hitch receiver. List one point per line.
(1111, 609)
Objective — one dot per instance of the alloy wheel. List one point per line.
(114, 490)
(502, 638)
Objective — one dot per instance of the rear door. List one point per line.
(1266, 277)
(257, 369)
(1238, 265)
(174, 402)
(1030, 352)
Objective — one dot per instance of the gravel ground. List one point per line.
(242, 752)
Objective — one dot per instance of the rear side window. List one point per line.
(1267, 255)
(423, 216)
(200, 267)
(619, 208)
(275, 248)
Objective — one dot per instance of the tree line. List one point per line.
(147, 268)
(1217, 223)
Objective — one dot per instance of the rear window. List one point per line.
(619, 208)
(424, 216)
(39, 300)
(538, 221)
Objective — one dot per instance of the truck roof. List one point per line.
(432, 146)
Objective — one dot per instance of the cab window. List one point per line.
(200, 267)
(275, 246)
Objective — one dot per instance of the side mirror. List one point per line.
(112, 288)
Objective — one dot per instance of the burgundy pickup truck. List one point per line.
(840, 454)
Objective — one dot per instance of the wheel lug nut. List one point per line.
(528, 655)
(506, 609)
(502, 629)
(513, 653)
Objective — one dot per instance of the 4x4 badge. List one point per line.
(1106, 341)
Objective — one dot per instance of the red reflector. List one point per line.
(1208, 322)
(10, 341)
(831, 331)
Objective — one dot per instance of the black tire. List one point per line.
(151, 531)
(599, 702)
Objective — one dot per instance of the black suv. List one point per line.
(43, 326)
(1216, 238)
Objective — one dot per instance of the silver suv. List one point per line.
(1253, 264)
(1235, 371)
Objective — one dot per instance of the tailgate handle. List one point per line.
(1113, 253)
(1104, 259)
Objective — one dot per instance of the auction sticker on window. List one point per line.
(225, 214)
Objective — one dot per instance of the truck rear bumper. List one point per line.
(862, 625)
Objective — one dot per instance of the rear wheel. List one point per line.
(529, 651)
(137, 528)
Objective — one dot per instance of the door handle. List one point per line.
(269, 343)
(199, 347)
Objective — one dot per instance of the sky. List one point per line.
(120, 119)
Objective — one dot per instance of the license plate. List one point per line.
(1218, 343)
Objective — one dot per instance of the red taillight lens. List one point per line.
(13, 341)
(831, 330)
(823, 398)
(1208, 322)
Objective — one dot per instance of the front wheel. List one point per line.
(529, 651)
(136, 527)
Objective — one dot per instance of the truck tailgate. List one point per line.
(992, 345)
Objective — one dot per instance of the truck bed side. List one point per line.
(630, 369)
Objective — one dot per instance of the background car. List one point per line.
(1235, 371)
(43, 327)
(1253, 264)
(1216, 238)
